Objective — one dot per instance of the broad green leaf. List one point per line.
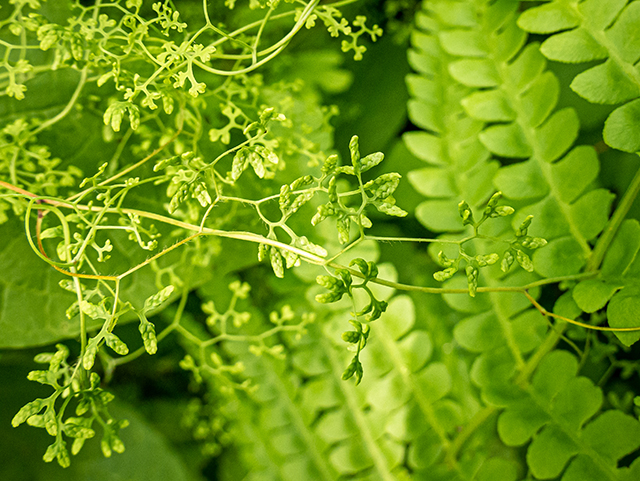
(529, 330)
(540, 98)
(577, 403)
(556, 135)
(432, 182)
(423, 88)
(560, 257)
(497, 469)
(621, 127)
(593, 294)
(624, 311)
(572, 174)
(435, 381)
(606, 83)
(550, 451)
(623, 250)
(613, 435)
(590, 212)
(548, 222)
(399, 317)
(335, 426)
(506, 140)
(425, 115)
(426, 147)
(520, 422)
(455, 14)
(624, 33)
(388, 393)
(489, 106)
(522, 180)
(475, 72)
(422, 62)
(547, 18)
(600, 13)
(573, 46)
(467, 43)
(554, 372)
(350, 458)
(439, 215)
(527, 66)
(479, 333)
(416, 349)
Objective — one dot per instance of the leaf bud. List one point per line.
(465, 212)
(351, 336)
(445, 274)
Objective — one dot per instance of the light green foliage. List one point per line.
(594, 30)
(174, 211)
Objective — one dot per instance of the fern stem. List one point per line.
(601, 247)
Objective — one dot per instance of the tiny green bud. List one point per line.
(465, 212)
(445, 274)
(351, 336)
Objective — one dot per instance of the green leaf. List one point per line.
(556, 135)
(439, 215)
(574, 46)
(432, 182)
(479, 333)
(540, 98)
(522, 180)
(435, 381)
(593, 294)
(425, 146)
(497, 469)
(475, 73)
(624, 311)
(559, 258)
(572, 174)
(621, 127)
(613, 435)
(527, 66)
(465, 43)
(606, 83)
(489, 106)
(506, 140)
(624, 34)
(550, 452)
(590, 212)
(601, 13)
(425, 115)
(623, 250)
(547, 18)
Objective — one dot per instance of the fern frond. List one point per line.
(595, 30)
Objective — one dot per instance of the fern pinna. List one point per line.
(481, 91)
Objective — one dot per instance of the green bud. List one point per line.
(351, 336)
(330, 164)
(507, 260)
(487, 260)
(354, 149)
(533, 242)
(444, 260)
(442, 276)
(522, 230)
(472, 279)
(502, 211)
(524, 261)
(465, 212)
